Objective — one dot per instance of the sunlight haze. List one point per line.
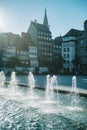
(16, 15)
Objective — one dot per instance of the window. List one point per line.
(64, 49)
(67, 55)
(64, 55)
(67, 61)
(67, 49)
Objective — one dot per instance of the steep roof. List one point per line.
(41, 27)
(26, 37)
(74, 32)
(45, 22)
(24, 42)
(9, 39)
(22, 46)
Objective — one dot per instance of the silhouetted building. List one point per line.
(27, 51)
(8, 46)
(56, 53)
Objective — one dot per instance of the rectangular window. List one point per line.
(67, 61)
(67, 55)
(64, 56)
(67, 49)
(64, 49)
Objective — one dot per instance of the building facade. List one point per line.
(27, 51)
(33, 56)
(83, 50)
(41, 36)
(57, 54)
(70, 50)
(8, 46)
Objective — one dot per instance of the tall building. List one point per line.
(83, 50)
(41, 36)
(70, 49)
(56, 54)
(74, 50)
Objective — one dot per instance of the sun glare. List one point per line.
(1, 20)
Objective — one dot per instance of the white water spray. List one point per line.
(31, 82)
(2, 78)
(13, 81)
(74, 92)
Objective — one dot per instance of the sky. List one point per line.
(16, 15)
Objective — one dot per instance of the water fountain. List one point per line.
(2, 78)
(54, 82)
(74, 93)
(13, 84)
(31, 82)
(18, 112)
(50, 86)
(13, 81)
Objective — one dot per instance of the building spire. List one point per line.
(45, 22)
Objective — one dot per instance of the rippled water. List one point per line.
(21, 110)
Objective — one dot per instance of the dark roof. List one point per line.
(9, 39)
(24, 42)
(22, 46)
(41, 27)
(59, 38)
(85, 22)
(74, 32)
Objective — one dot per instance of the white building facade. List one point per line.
(68, 53)
(33, 56)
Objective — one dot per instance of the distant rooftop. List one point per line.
(74, 32)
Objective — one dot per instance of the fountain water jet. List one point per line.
(2, 78)
(74, 93)
(50, 86)
(31, 82)
(13, 82)
(54, 85)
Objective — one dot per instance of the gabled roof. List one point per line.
(22, 46)
(9, 39)
(24, 42)
(27, 37)
(74, 32)
(41, 27)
